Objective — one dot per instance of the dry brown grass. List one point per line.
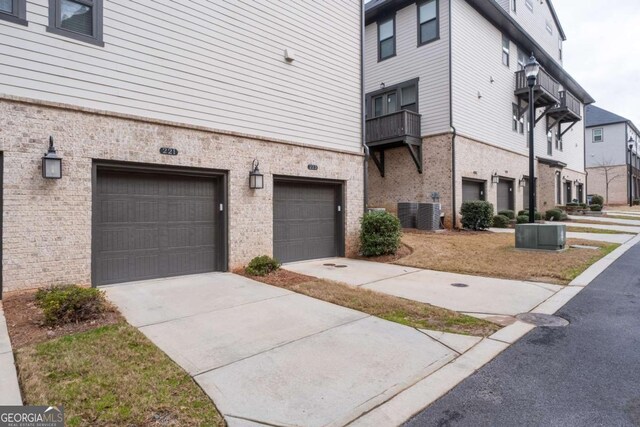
(395, 309)
(594, 230)
(586, 221)
(112, 375)
(494, 255)
(624, 208)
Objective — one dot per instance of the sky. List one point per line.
(602, 51)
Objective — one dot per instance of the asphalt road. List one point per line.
(585, 374)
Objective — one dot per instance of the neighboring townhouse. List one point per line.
(612, 156)
(159, 114)
(446, 101)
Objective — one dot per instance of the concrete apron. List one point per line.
(269, 356)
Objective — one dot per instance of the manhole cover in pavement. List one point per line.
(539, 319)
(340, 266)
(329, 265)
(459, 285)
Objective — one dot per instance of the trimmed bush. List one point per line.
(261, 266)
(501, 221)
(554, 215)
(508, 213)
(596, 208)
(70, 304)
(476, 215)
(523, 219)
(597, 200)
(380, 234)
(636, 202)
(537, 215)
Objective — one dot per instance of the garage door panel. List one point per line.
(305, 221)
(150, 225)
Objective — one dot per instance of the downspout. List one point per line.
(453, 129)
(365, 166)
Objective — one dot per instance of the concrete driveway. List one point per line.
(479, 296)
(267, 356)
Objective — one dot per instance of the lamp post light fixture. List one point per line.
(531, 70)
(630, 171)
(51, 163)
(495, 178)
(256, 179)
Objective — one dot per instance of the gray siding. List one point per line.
(488, 118)
(429, 63)
(217, 64)
(611, 151)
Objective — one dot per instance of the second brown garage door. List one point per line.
(151, 225)
(307, 220)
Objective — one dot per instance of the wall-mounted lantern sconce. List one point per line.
(577, 182)
(51, 163)
(256, 179)
(495, 178)
(382, 85)
(522, 182)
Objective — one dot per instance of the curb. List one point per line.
(416, 398)
(9, 388)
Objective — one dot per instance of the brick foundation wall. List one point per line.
(618, 185)
(47, 223)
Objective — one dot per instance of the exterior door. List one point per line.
(569, 193)
(386, 103)
(151, 225)
(580, 190)
(307, 220)
(525, 194)
(505, 195)
(472, 190)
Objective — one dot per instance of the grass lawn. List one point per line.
(112, 375)
(577, 229)
(395, 309)
(586, 221)
(494, 255)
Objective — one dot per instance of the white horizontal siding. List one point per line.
(483, 91)
(429, 63)
(217, 64)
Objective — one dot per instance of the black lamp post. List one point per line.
(630, 171)
(531, 70)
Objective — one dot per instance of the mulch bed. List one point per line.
(25, 320)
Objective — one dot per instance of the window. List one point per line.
(560, 48)
(529, 4)
(428, 30)
(505, 50)
(598, 135)
(514, 6)
(517, 121)
(403, 96)
(14, 11)
(550, 143)
(386, 38)
(522, 59)
(560, 143)
(549, 27)
(77, 19)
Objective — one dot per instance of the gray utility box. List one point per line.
(544, 237)
(428, 216)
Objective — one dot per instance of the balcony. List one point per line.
(545, 92)
(399, 129)
(567, 110)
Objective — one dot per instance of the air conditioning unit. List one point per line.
(544, 237)
(407, 214)
(428, 216)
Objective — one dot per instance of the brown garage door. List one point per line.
(472, 190)
(505, 195)
(306, 221)
(150, 225)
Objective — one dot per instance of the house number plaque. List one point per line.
(312, 167)
(169, 151)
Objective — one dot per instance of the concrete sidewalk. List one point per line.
(596, 237)
(267, 356)
(480, 296)
(597, 219)
(9, 388)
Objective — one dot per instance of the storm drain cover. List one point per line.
(539, 319)
(340, 266)
(459, 285)
(329, 265)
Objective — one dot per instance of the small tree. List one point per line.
(607, 168)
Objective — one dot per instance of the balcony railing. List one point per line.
(570, 102)
(394, 127)
(544, 82)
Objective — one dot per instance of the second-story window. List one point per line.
(550, 143)
(427, 22)
(598, 135)
(529, 4)
(505, 50)
(514, 5)
(522, 59)
(560, 48)
(386, 38)
(517, 121)
(77, 19)
(14, 11)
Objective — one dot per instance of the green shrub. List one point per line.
(596, 208)
(636, 202)
(523, 219)
(554, 215)
(476, 215)
(573, 204)
(508, 213)
(261, 266)
(537, 215)
(597, 200)
(501, 221)
(379, 234)
(71, 303)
